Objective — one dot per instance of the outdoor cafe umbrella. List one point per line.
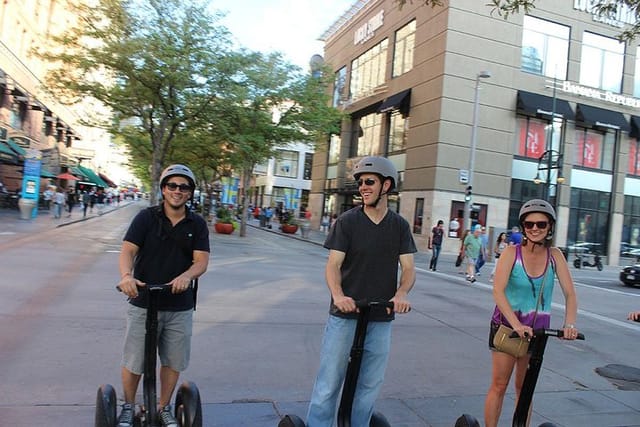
(67, 176)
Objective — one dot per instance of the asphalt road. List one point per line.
(258, 327)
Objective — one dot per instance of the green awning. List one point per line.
(76, 171)
(15, 147)
(46, 174)
(92, 177)
(7, 153)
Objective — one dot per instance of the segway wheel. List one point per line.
(106, 404)
(291, 421)
(576, 263)
(378, 420)
(599, 266)
(188, 407)
(466, 420)
(547, 425)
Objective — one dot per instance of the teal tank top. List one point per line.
(522, 292)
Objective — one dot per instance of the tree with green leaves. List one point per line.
(604, 8)
(158, 65)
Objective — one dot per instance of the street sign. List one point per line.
(463, 176)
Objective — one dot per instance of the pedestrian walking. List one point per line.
(71, 201)
(86, 201)
(484, 248)
(472, 246)
(164, 244)
(501, 244)
(365, 246)
(435, 244)
(59, 200)
(324, 223)
(523, 290)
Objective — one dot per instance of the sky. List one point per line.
(288, 26)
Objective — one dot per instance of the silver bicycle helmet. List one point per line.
(378, 165)
(537, 205)
(178, 170)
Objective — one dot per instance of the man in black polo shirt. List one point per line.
(164, 244)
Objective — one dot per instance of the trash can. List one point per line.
(27, 207)
(305, 226)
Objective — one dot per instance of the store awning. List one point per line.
(46, 174)
(400, 101)
(635, 127)
(15, 147)
(107, 180)
(599, 117)
(541, 105)
(77, 172)
(92, 177)
(7, 154)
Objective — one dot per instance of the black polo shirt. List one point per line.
(166, 251)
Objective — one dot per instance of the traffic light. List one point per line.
(467, 195)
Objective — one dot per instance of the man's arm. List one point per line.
(128, 285)
(197, 269)
(333, 276)
(407, 280)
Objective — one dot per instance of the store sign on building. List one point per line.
(366, 31)
(623, 16)
(600, 95)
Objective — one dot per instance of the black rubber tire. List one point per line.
(378, 420)
(599, 266)
(466, 420)
(576, 263)
(547, 425)
(188, 407)
(106, 406)
(291, 421)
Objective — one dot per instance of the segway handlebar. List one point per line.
(548, 332)
(363, 303)
(151, 287)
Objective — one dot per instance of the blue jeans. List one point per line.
(334, 357)
(434, 257)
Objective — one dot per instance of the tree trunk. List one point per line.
(246, 179)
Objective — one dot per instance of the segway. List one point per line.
(187, 408)
(351, 377)
(536, 347)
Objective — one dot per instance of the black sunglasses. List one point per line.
(368, 181)
(182, 187)
(540, 224)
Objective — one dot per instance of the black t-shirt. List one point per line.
(370, 267)
(436, 238)
(165, 252)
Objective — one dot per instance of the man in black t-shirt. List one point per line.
(365, 246)
(435, 244)
(165, 244)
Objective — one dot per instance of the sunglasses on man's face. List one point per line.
(174, 186)
(540, 224)
(368, 181)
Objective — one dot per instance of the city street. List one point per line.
(258, 327)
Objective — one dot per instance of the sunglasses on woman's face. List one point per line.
(174, 186)
(540, 224)
(368, 181)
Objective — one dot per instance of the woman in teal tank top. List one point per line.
(523, 289)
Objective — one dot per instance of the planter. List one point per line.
(289, 228)
(223, 228)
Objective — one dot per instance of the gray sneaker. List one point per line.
(166, 417)
(126, 416)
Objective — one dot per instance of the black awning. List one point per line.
(541, 105)
(400, 101)
(599, 117)
(635, 127)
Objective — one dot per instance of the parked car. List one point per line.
(630, 275)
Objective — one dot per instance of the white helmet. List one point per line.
(178, 170)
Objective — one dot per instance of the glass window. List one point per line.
(533, 135)
(589, 218)
(594, 150)
(545, 47)
(368, 142)
(417, 216)
(368, 70)
(338, 87)
(334, 149)
(636, 77)
(403, 50)
(398, 126)
(602, 62)
(633, 167)
(286, 164)
(630, 238)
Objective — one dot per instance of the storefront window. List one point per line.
(589, 218)
(636, 77)
(594, 150)
(369, 140)
(403, 50)
(633, 168)
(545, 47)
(602, 62)
(417, 216)
(533, 135)
(630, 238)
(368, 70)
(397, 132)
(338, 86)
(286, 164)
(334, 149)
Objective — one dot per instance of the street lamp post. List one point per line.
(472, 151)
(548, 161)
